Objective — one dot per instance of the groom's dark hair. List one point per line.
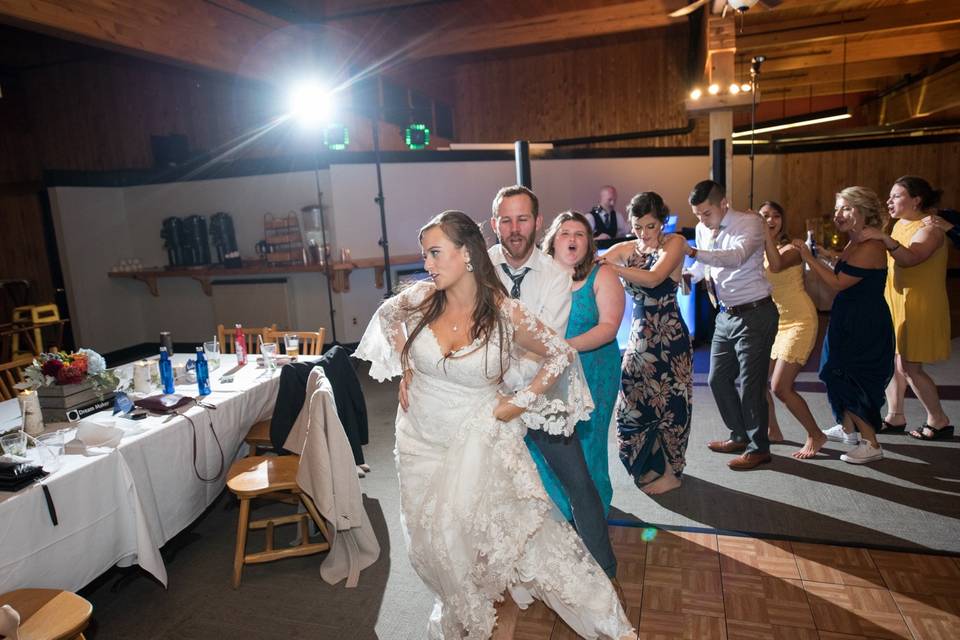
(707, 190)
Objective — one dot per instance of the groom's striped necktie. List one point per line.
(517, 279)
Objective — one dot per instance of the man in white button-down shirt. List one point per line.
(729, 255)
(545, 288)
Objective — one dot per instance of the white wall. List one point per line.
(125, 223)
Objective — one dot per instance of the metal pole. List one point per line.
(753, 126)
(383, 214)
(323, 250)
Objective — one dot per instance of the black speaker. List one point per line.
(521, 150)
(718, 172)
(169, 151)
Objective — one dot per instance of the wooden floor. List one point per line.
(698, 586)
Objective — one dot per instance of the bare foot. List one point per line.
(649, 476)
(666, 482)
(775, 435)
(811, 447)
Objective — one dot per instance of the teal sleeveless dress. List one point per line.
(602, 369)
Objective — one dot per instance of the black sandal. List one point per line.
(937, 434)
(886, 427)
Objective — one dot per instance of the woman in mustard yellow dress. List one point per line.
(796, 332)
(917, 295)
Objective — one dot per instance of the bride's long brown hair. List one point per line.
(462, 231)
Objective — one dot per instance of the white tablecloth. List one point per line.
(121, 507)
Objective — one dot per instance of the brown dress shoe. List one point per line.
(749, 461)
(726, 446)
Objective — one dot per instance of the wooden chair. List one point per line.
(49, 614)
(37, 316)
(254, 477)
(311, 344)
(11, 373)
(225, 337)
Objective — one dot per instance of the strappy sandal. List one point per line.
(937, 434)
(886, 427)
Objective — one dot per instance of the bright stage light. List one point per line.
(734, 89)
(695, 94)
(713, 89)
(745, 87)
(311, 104)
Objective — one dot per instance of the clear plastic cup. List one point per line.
(292, 345)
(14, 444)
(211, 351)
(269, 352)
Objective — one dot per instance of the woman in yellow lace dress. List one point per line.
(796, 332)
(917, 295)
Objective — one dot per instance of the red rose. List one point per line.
(52, 367)
(70, 374)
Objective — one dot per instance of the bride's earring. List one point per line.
(470, 267)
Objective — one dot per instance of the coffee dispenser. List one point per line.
(194, 241)
(171, 231)
(225, 239)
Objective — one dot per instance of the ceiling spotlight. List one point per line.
(734, 89)
(310, 103)
(696, 93)
(714, 89)
(746, 87)
(417, 136)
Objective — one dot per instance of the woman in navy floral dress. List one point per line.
(656, 382)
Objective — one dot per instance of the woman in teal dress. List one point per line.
(595, 316)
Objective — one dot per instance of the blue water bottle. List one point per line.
(203, 373)
(166, 371)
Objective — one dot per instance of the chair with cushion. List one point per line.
(311, 344)
(225, 336)
(44, 614)
(258, 476)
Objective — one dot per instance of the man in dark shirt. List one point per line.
(604, 219)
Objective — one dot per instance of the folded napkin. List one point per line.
(94, 437)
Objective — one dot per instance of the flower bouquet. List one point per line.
(70, 384)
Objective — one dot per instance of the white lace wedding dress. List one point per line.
(473, 507)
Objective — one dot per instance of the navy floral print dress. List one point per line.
(656, 379)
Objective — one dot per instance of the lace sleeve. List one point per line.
(386, 334)
(557, 397)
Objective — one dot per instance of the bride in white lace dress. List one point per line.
(474, 511)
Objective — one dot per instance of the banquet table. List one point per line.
(121, 506)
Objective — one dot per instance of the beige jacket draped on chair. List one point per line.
(329, 476)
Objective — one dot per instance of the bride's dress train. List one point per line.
(474, 510)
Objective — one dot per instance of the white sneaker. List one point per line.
(863, 453)
(837, 434)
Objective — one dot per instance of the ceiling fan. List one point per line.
(740, 6)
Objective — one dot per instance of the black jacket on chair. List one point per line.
(347, 393)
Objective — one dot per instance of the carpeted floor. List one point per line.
(907, 501)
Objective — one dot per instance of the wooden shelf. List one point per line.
(340, 272)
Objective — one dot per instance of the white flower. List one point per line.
(95, 362)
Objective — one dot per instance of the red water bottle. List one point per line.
(240, 345)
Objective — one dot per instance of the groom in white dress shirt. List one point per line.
(545, 289)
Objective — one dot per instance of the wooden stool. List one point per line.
(49, 614)
(253, 477)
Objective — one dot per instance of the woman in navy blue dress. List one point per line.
(857, 360)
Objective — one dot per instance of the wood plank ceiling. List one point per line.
(813, 47)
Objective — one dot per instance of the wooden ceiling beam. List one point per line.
(927, 96)
(861, 50)
(567, 25)
(757, 36)
(885, 68)
(768, 94)
(218, 36)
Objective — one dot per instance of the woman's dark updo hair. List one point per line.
(917, 187)
(648, 202)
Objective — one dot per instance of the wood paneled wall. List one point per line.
(810, 180)
(623, 83)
